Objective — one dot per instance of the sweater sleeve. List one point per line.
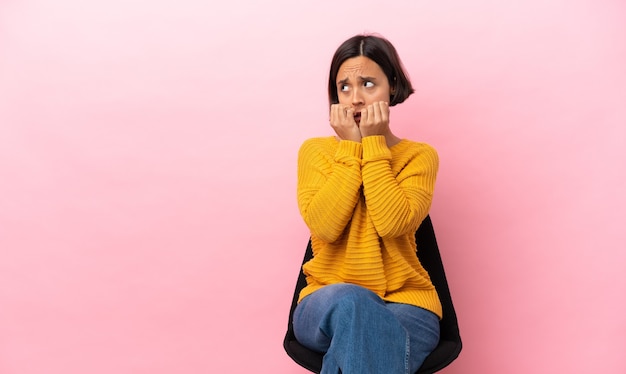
(328, 186)
(397, 204)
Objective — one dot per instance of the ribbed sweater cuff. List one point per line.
(375, 148)
(348, 151)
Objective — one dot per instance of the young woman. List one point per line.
(369, 305)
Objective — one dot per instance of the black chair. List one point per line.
(449, 345)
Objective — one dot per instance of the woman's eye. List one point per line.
(343, 88)
(368, 84)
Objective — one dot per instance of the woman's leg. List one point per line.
(423, 328)
(355, 329)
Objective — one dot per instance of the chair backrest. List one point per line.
(449, 345)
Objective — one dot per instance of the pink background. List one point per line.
(148, 219)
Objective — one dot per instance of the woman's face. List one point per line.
(361, 82)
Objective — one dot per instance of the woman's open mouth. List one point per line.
(357, 117)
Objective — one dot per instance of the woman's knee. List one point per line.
(331, 304)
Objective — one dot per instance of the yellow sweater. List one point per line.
(363, 203)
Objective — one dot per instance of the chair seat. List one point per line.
(445, 352)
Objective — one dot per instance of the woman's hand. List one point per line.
(375, 119)
(342, 121)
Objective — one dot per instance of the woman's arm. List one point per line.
(397, 205)
(328, 186)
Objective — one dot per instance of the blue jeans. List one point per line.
(360, 333)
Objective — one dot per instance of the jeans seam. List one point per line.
(408, 353)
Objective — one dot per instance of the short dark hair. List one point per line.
(383, 53)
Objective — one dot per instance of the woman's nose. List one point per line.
(357, 98)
